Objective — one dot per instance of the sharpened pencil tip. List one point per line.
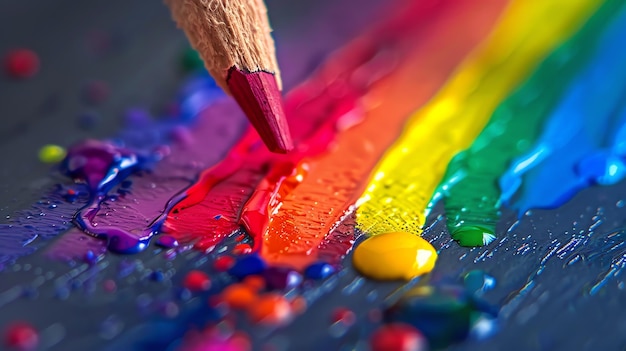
(260, 99)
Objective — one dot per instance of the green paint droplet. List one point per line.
(473, 236)
(52, 154)
(191, 61)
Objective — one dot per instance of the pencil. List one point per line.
(233, 38)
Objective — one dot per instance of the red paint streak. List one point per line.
(259, 97)
(252, 186)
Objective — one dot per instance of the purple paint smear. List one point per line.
(126, 220)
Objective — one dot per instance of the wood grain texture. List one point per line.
(228, 33)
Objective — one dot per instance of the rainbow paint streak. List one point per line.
(403, 183)
(483, 110)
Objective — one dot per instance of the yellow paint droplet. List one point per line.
(52, 154)
(393, 256)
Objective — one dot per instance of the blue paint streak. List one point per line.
(584, 139)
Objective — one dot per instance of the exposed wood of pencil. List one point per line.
(228, 33)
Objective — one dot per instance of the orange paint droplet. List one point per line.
(238, 296)
(242, 249)
(271, 309)
(254, 282)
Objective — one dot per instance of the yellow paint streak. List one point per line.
(404, 181)
(394, 256)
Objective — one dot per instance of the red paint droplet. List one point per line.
(109, 285)
(21, 336)
(21, 63)
(343, 315)
(242, 249)
(223, 263)
(398, 337)
(197, 281)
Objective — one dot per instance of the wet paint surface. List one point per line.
(404, 181)
(469, 188)
(339, 118)
(580, 136)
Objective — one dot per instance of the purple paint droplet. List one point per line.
(167, 241)
(282, 278)
(124, 243)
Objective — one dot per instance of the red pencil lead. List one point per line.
(258, 96)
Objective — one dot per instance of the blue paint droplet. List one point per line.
(157, 276)
(478, 282)
(184, 294)
(248, 265)
(319, 270)
(90, 257)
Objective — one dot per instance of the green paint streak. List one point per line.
(470, 185)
